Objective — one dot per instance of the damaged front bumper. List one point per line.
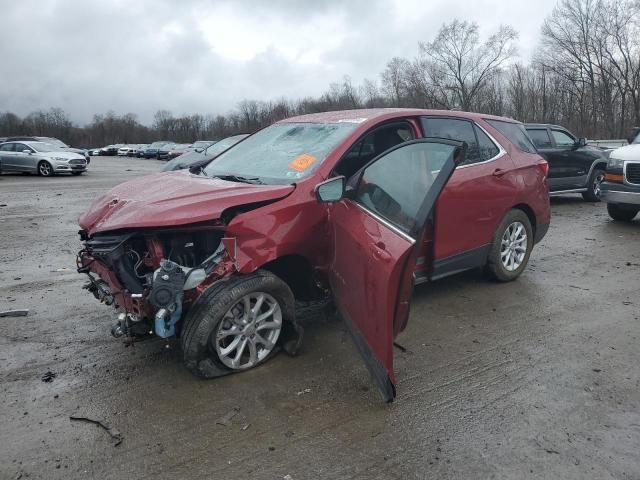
(153, 278)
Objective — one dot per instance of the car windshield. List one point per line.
(200, 144)
(219, 147)
(283, 152)
(44, 147)
(636, 141)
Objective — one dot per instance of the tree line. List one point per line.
(585, 75)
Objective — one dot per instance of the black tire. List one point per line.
(495, 266)
(622, 212)
(77, 173)
(205, 315)
(45, 169)
(593, 192)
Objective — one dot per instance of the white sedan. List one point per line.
(41, 158)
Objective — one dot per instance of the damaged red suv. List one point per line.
(354, 206)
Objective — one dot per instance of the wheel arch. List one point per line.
(297, 272)
(529, 213)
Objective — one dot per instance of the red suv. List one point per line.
(340, 205)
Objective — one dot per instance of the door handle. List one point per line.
(379, 253)
(498, 172)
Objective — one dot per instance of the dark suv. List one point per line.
(574, 166)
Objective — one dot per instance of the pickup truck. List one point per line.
(574, 166)
(621, 186)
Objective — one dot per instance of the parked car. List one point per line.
(125, 150)
(178, 150)
(40, 158)
(111, 150)
(621, 186)
(163, 151)
(152, 150)
(93, 152)
(52, 141)
(190, 159)
(338, 203)
(136, 149)
(574, 166)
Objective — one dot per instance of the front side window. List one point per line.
(281, 153)
(562, 138)
(395, 186)
(515, 133)
(21, 147)
(540, 137)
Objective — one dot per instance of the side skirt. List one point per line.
(461, 262)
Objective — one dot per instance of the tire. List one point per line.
(593, 192)
(77, 173)
(622, 212)
(506, 261)
(45, 169)
(219, 308)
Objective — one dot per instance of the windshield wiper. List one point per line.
(238, 178)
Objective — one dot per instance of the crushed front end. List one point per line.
(152, 277)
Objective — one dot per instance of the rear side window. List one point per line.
(479, 145)
(487, 148)
(515, 133)
(540, 137)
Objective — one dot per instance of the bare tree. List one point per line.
(459, 66)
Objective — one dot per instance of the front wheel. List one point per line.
(238, 324)
(621, 212)
(45, 169)
(594, 186)
(511, 247)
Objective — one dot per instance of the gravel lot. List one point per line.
(534, 379)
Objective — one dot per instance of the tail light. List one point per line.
(544, 167)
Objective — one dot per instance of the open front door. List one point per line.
(375, 230)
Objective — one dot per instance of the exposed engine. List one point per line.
(154, 270)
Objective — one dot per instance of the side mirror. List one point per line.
(199, 150)
(330, 190)
(581, 142)
(27, 151)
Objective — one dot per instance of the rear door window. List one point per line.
(515, 133)
(540, 137)
(479, 146)
(7, 147)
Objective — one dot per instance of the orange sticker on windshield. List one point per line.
(303, 162)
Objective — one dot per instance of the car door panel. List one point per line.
(371, 271)
(476, 199)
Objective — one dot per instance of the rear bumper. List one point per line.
(619, 193)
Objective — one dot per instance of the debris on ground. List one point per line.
(48, 376)
(245, 426)
(302, 392)
(225, 420)
(115, 434)
(15, 313)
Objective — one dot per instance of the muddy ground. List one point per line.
(534, 379)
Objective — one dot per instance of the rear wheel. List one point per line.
(621, 212)
(237, 324)
(45, 169)
(595, 181)
(511, 247)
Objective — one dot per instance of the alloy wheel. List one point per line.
(45, 169)
(597, 183)
(513, 247)
(249, 331)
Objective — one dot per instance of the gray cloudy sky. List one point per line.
(188, 56)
